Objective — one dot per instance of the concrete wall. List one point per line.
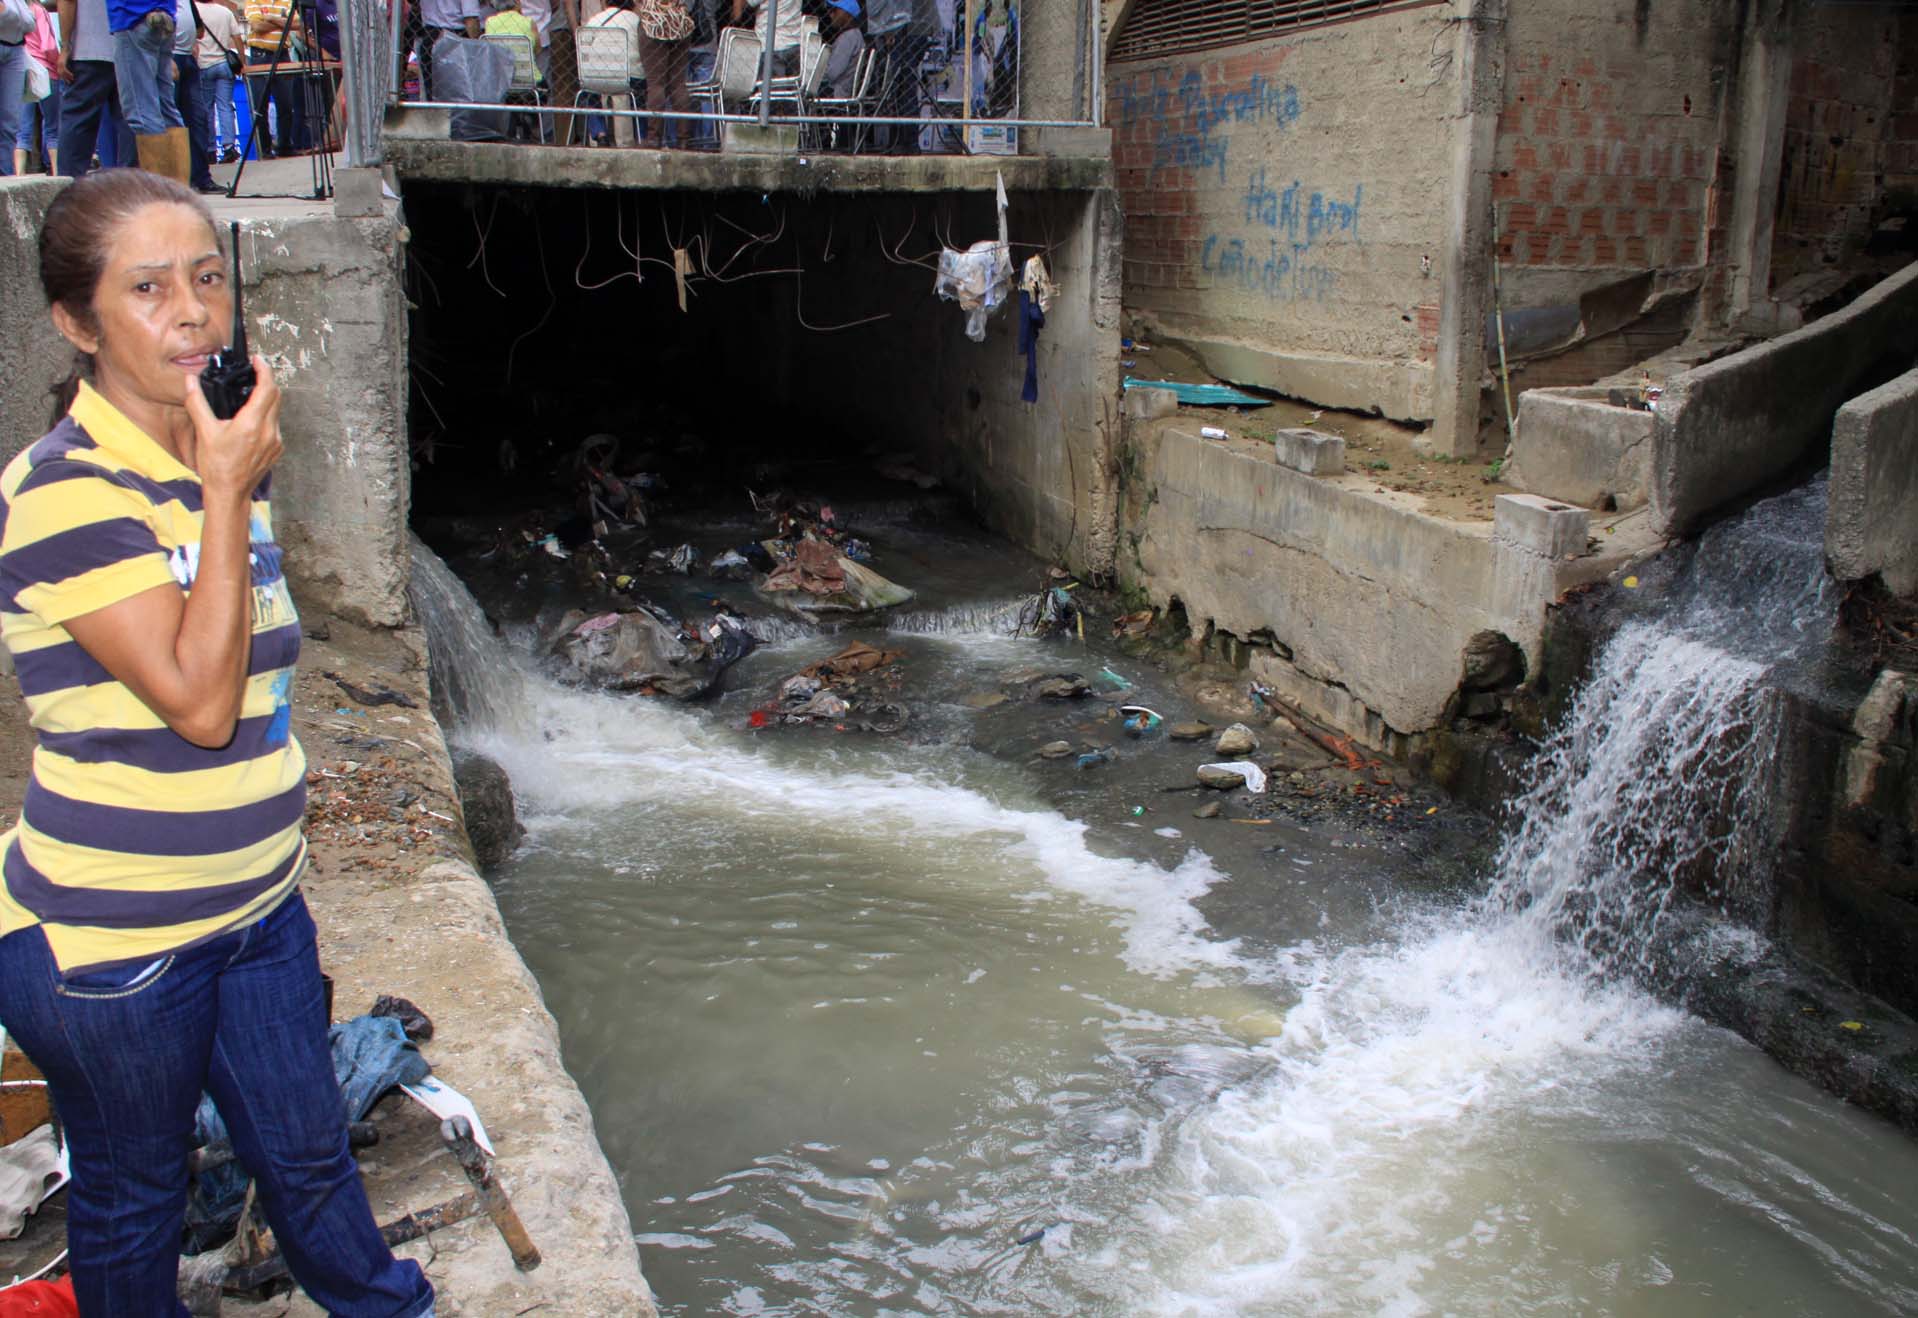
(1727, 428)
(1844, 123)
(1574, 445)
(1369, 602)
(324, 304)
(33, 357)
(1608, 144)
(1873, 522)
(1285, 205)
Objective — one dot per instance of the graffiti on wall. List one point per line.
(1185, 119)
(1288, 268)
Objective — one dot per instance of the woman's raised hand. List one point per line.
(233, 457)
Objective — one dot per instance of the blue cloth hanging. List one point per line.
(1031, 320)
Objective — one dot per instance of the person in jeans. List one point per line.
(154, 943)
(13, 88)
(92, 94)
(143, 32)
(902, 30)
(273, 32)
(219, 32)
(187, 94)
(40, 120)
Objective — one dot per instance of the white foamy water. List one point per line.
(857, 1020)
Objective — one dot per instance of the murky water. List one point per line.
(921, 1025)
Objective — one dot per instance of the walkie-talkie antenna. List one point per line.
(239, 312)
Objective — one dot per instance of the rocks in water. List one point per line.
(1210, 810)
(1491, 661)
(1237, 740)
(983, 700)
(639, 651)
(1055, 750)
(1480, 705)
(1222, 779)
(1034, 685)
(1188, 731)
(486, 799)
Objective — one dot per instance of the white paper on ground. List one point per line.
(446, 1102)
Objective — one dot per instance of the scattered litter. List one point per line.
(681, 560)
(731, 565)
(551, 544)
(1139, 720)
(1851, 1025)
(1103, 755)
(1212, 432)
(1118, 683)
(1031, 1237)
(978, 279)
(1134, 624)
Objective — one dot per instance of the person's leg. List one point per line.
(26, 139)
(192, 108)
(136, 52)
(51, 109)
(120, 148)
(257, 106)
(13, 92)
(562, 77)
(125, 1056)
(81, 113)
(655, 57)
(271, 1075)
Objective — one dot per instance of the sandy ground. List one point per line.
(1380, 455)
(401, 911)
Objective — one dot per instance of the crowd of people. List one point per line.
(152, 83)
(673, 45)
(95, 83)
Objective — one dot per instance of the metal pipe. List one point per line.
(1098, 66)
(523, 108)
(396, 60)
(769, 14)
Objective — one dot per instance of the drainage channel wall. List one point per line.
(324, 305)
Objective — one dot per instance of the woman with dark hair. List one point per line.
(153, 939)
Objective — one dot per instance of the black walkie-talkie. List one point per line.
(227, 380)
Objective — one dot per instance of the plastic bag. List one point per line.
(476, 73)
(978, 279)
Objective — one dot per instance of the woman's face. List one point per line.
(163, 306)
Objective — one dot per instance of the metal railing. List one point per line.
(959, 82)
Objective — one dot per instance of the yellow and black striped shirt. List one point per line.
(133, 842)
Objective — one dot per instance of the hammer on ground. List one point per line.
(457, 1133)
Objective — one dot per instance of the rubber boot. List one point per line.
(179, 155)
(152, 149)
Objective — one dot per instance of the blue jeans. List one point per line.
(143, 68)
(216, 85)
(127, 1053)
(192, 101)
(13, 93)
(92, 103)
(40, 121)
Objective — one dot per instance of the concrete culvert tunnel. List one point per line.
(732, 338)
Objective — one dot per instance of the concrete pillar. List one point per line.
(1465, 286)
(1764, 82)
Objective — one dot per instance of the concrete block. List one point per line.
(1872, 523)
(1728, 427)
(1073, 141)
(1310, 452)
(410, 123)
(1150, 404)
(1542, 526)
(1575, 447)
(356, 193)
(754, 139)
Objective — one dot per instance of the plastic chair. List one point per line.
(526, 82)
(606, 67)
(798, 88)
(737, 71)
(861, 98)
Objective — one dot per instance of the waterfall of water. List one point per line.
(475, 676)
(1660, 779)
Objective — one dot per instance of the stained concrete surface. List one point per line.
(1574, 445)
(1872, 526)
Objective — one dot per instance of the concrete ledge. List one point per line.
(1725, 429)
(1398, 389)
(1310, 452)
(753, 139)
(441, 161)
(1150, 404)
(33, 358)
(1575, 446)
(1872, 526)
(1539, 526)
(1369, 601)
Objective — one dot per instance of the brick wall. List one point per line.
(1843, 129)
(1607, 156)
(1290, 194)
